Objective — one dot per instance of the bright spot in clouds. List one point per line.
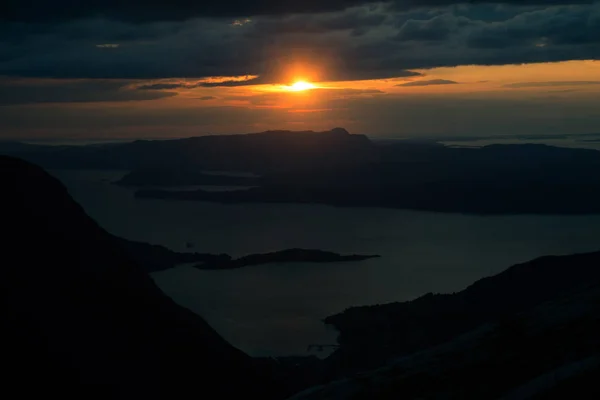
(300, 86)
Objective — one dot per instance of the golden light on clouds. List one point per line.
(227, 79)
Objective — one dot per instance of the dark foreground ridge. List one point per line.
(77, 310)
(388, 330)
(529, 329)
(284, 256)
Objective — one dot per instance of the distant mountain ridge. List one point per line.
(340, 169)
(256, 152)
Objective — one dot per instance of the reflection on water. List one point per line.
(277, 309)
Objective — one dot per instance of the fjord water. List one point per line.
(277, 309)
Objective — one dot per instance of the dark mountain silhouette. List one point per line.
(548, 351)
(509, 179)
(530, 332)
(340, 169)
(78, 310)
(258, 152)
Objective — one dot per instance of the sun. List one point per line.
(300, 86)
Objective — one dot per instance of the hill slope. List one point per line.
(77, 310)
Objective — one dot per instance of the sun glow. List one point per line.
(300, 86)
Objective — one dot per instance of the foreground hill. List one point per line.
(532, 330)
(77, 310)
(550, 351)
(373, 334)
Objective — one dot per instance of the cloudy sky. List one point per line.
(404, 68)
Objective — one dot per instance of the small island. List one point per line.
(284, 256)
(154, 258)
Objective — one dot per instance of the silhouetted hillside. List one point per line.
(370, 335)
(548, 351)
(530, 332)
(77, 310)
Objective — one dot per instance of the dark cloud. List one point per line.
(544, 27)
(435, 29)
(358, 43)
(161, 10)
(210, 82)
(233, 82)
(319, 23)
(550, 84)
(57, 91)
(429, 83)
(206, 98)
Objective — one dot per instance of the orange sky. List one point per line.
(565, 79)
(535, 98)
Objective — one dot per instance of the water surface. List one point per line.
(277, 309)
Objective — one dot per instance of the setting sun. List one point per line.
(301, 85)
